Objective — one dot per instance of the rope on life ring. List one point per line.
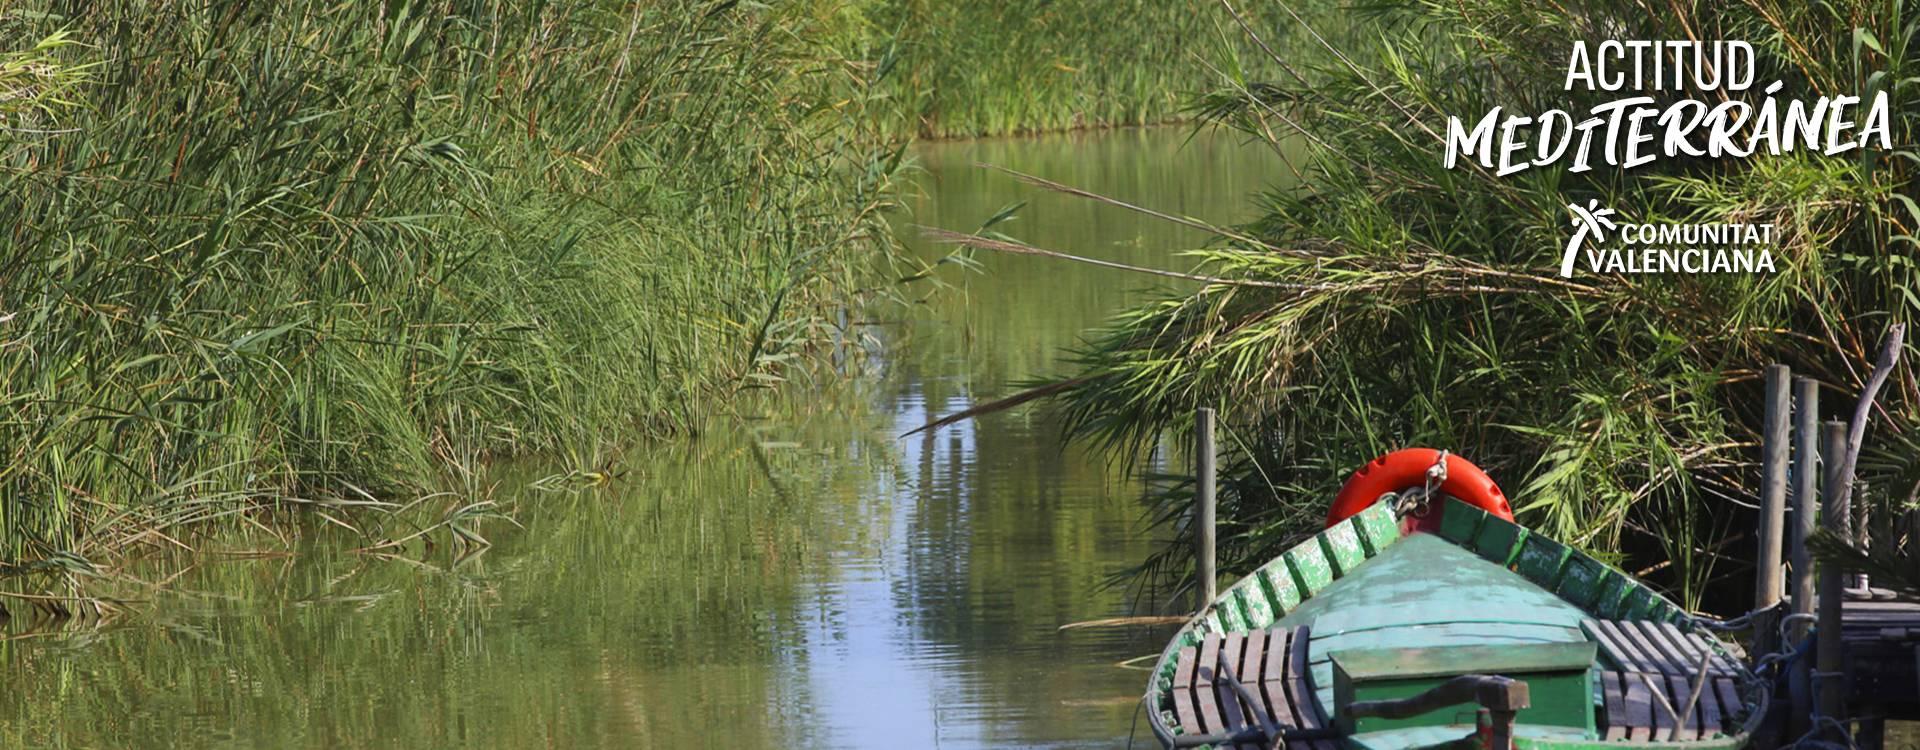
(1408, 468)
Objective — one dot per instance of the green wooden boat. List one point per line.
(1346, 642)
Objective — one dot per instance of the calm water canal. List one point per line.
(801, 578)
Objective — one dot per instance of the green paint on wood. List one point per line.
(1424, 591)
(1243, 608)
(1280, 586)
(1378, 528)
(1559, 677)
(1498, 540)
(1460, 521)
(1423, 580)
(1614, 586)
(1368, 664)
(1540, 559)
(1259, 608)
(1229, 608)
(1526, 737)
(1310, 567)
(1454, 633)
(1342, 547)
(1638, 603)
(1581, 580)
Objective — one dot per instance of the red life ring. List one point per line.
(1407, 468)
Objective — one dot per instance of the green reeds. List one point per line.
(996, 68)
(322, 254)
(1391, 301)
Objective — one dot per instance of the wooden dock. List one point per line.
(1882, 663)
(1863, 665)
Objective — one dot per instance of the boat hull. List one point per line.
(1362, 586)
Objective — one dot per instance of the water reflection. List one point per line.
(809, 579)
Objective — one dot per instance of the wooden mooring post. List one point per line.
(1806, 500)
(1205, 578)
(1773, 508)
(1806, 507)
(1829, 684)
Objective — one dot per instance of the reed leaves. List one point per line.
(325, 255)
(996, 68)
(1392, 301)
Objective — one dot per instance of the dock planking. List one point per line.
(1881, 641)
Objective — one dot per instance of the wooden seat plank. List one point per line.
(1652, 661)
(1659, 660)
(1289, 667)
(1674, 660)
(1663, 720)
(1252, 666)
(1184, 708)
(1694, 649)
(1642, 708)
(1711, 720)
(1624, 653)
(1273, 677)
(1662, 660)
(1633, 713)
(1730, 705)
(1259, 716)
(1232, 715)
(1596, 631)
(1203, 675)
(1616, 705)
(1688, 652)
(1678, 690)
(1694, 646)
(1300, 691)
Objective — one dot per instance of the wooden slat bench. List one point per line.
(1272, 667)
(1654, 660)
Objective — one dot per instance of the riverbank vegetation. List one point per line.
(331, 257)
(1392, 301)
(999, 68)
(328, 256)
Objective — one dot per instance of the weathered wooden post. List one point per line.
(1773, 507)
(1806, 506)
(1806, 499)
(1828, 682)
(1203, 521)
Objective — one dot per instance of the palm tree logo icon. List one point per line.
(1591, 221)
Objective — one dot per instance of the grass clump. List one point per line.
(1391, 301)
(331, 253)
